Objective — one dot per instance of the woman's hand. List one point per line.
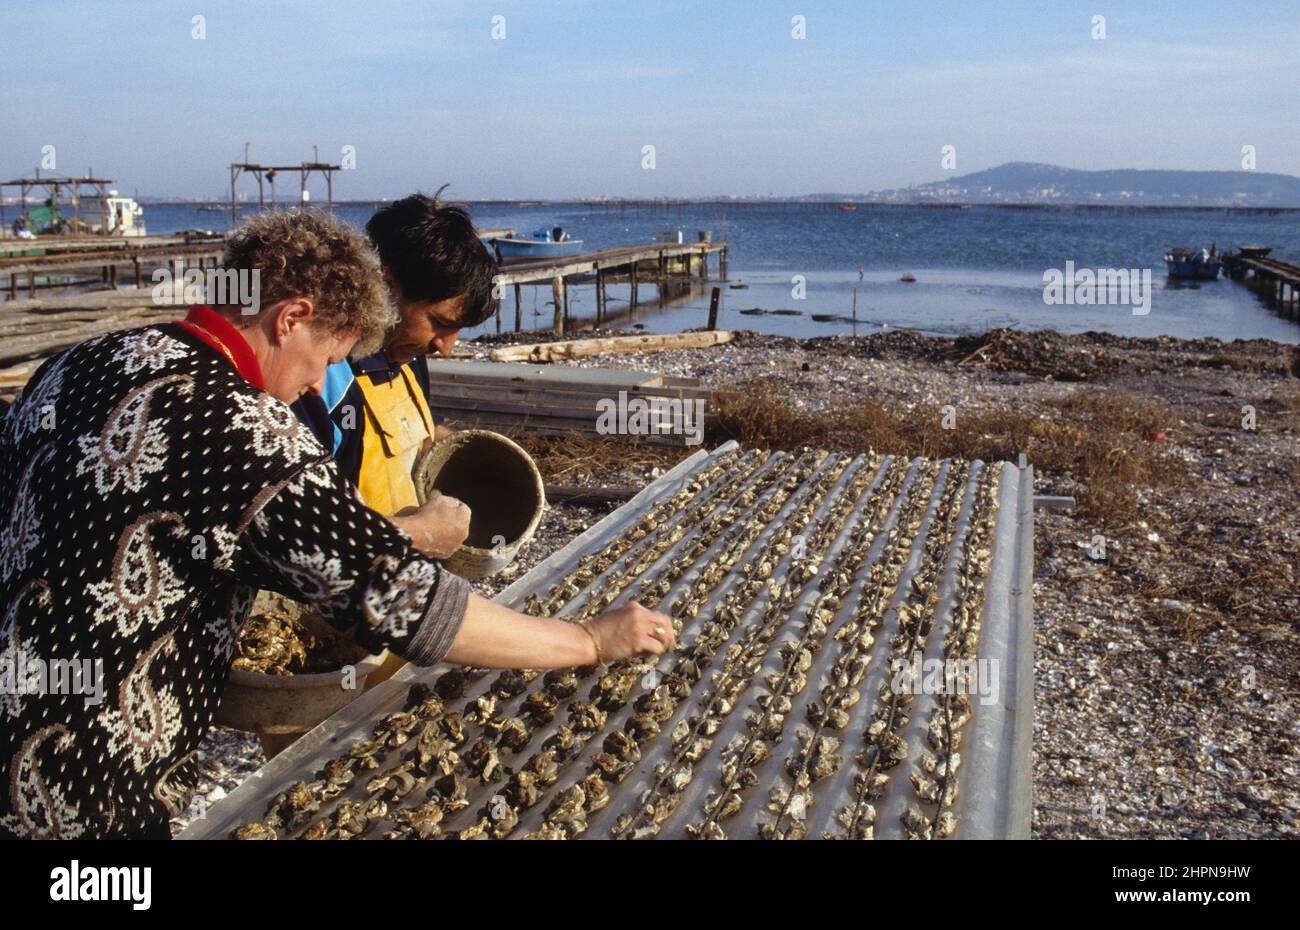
(494, 636)
(631, 630)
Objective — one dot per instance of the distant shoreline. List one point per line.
(827, 204)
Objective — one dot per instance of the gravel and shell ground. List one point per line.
(1167, 653)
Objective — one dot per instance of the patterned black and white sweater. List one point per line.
(146, 493)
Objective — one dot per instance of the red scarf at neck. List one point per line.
(217, 331)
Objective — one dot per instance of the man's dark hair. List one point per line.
(434, 253)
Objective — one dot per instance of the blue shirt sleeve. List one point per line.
(337, 407)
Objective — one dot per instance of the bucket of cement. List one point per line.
(503, 488)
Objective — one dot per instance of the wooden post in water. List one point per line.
(663, 276)
(519, 300)
(600, 295)
(722, 263)
(557, 294)
(714, 300)
(633, 283)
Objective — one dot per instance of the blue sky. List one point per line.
(563, 105)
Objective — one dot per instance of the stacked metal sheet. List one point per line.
(853, 661)
(559, 399)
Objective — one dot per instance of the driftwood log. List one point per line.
(619, 345)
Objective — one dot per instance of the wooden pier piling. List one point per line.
(557, 294)
(1277, 282)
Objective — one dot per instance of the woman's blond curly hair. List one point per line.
(302, 253)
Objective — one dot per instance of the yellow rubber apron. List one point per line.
(398, 423)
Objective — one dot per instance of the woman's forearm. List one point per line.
(493, 636)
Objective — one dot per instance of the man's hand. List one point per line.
(439, 527)
(441, 432)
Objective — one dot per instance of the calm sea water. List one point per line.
(975, 268)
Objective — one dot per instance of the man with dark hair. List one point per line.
(374, 412)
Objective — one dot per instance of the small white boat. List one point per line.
(113, 215)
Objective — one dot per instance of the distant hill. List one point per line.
(1031, 182)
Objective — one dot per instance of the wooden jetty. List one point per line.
(1278, 282)
(555, 400)
(139, 255)
(663, 264)
(12, 247)
(34, 325)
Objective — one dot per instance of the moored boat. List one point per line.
(1197, 264)
(545, 243)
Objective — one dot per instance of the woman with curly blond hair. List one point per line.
(151, 481)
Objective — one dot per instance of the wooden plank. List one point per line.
(19, 375)
(554, 426)
(661, 424)
(15, 349)
(584, 425)
(460, 395)
(522, 408)
(556, 493)
(99, 300)
(579, 348)
(475, 371)
(584, 399)
(59, 265)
